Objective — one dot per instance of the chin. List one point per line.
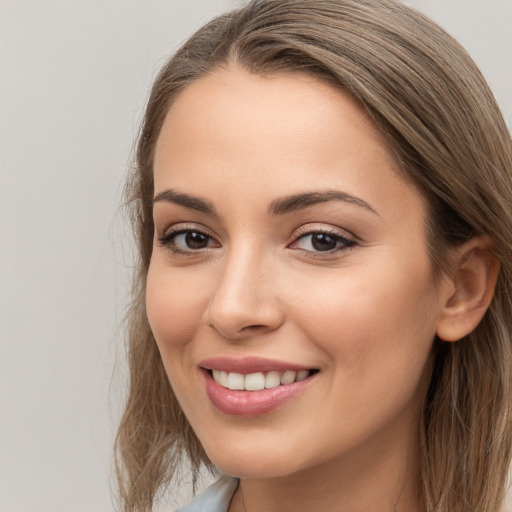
(254, 464)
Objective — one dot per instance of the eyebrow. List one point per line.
(186, 200)
(296, 202)
(279, 206)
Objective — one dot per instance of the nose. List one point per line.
(245, 302)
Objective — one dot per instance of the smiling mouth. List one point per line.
(253, 386)
(258, 380)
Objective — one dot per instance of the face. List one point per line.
(290, 290)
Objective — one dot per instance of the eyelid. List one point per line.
(339, 234)
(186, 226)
(312, 228)
(342, 235)
(175, 230)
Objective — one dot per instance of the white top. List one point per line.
(215, 498)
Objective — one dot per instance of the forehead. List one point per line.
(264, 105)
(287, 132)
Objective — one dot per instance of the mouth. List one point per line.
(253, 386)
(258, 380)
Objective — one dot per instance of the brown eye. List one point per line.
(196, 240)
(187, 241)
(321, 241)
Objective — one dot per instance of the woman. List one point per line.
(322, 308)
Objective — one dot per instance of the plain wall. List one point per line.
(74, 76)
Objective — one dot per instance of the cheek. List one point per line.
(175, 307)
(371, 321)
(378, 344)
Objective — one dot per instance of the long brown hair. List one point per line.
(431, 102)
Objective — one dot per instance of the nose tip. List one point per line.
(240, 322)
(244, 305)
(237, 325)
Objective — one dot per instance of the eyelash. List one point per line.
(342, 243)
(168, 239)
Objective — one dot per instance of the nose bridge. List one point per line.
(244, 301)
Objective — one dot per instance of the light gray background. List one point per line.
(74, 76)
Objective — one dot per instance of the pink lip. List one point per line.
(251, 403)
(248, 365)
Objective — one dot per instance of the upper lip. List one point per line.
(246, 365)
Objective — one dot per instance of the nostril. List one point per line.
(239, 309)
(253, 327)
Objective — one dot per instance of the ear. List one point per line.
(469, 288)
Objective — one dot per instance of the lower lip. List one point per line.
(252, 403)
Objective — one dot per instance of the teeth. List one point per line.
(288, 377)
(272, 380)
(302, 375)
(236, 381)
(221, 377)
(254, 381)
(257, 381)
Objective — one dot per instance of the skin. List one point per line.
(365, 314)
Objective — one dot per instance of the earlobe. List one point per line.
(471, 287)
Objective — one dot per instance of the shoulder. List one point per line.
(215, 498)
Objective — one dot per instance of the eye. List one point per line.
(322, 241)
(186, 241)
